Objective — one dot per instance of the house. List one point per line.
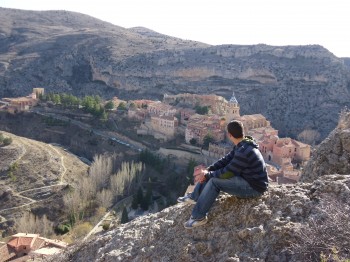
(160, 109)
(20, 104)
(137, 113)
(165, 125)
(199, 126)
(30, 246)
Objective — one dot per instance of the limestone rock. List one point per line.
(333, 154)
(238, 230)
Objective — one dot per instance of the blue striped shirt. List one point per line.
(244, 160)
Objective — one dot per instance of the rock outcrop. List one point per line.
(262, 229)
(238, 230)
(295, 87)
(333, 154)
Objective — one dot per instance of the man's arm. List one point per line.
(234, 167)
(221, 163)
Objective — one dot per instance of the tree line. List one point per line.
(90, 104)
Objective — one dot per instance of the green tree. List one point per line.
(122, 106)
(207, 140)
(193, 141)
(125, 218)
(109, 105)
(190, 169)
(104, 116)
(135, 202)
(139, 195)
(202, 110)
(144, 204)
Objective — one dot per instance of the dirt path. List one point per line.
(25, 144)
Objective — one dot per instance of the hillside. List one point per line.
(295, 87)
(289, 223)
(34, 175)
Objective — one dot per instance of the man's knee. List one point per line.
(215, 182)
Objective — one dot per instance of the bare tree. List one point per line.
(127, 178)
(30, 223)
(105, 198)
(102, 167)
(87, 189)
(73, 203)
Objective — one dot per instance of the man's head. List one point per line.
(235, 131)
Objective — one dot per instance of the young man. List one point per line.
(241, 173)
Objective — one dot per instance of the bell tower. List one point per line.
(232, 109)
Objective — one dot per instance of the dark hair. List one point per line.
(235, 128)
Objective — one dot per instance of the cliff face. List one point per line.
(295, 87)
(333, 154)
(262, 229)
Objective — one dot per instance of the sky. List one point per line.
(216, 22)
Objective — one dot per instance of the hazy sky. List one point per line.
(272, 22)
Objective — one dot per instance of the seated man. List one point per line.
(242, 173)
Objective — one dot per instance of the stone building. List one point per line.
(137, 113)
(160, 109)
(217, 104)
(165, 125)
(200, 126)
(38, 91)
(20, 104)
(276, 149)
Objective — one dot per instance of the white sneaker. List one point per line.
(186, 199)
(191, 223)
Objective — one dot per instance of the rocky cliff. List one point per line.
(295, 87)
(300, 222)
(333, 154)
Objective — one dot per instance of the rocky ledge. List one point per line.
(262, 229)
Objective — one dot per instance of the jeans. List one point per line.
(205, 194)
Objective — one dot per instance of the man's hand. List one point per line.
(201, 178)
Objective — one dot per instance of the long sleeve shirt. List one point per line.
(244, 160)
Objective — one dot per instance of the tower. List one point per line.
(232, 111)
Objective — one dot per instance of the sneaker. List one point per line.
(191, 223)
(186, 199)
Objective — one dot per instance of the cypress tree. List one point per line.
(124, 219)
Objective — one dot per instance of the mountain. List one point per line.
(297, 222)
(295, 87)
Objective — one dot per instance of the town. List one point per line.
(200, 120)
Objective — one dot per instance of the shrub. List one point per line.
(81, 230)
(7, 141)
(325, 237)
(62, 229)
(106, 226)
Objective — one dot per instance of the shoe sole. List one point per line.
(189, 202)
(200, 223)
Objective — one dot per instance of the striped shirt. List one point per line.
(244, 160)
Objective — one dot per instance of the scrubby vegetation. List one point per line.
(325, 237)
(5, 141)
